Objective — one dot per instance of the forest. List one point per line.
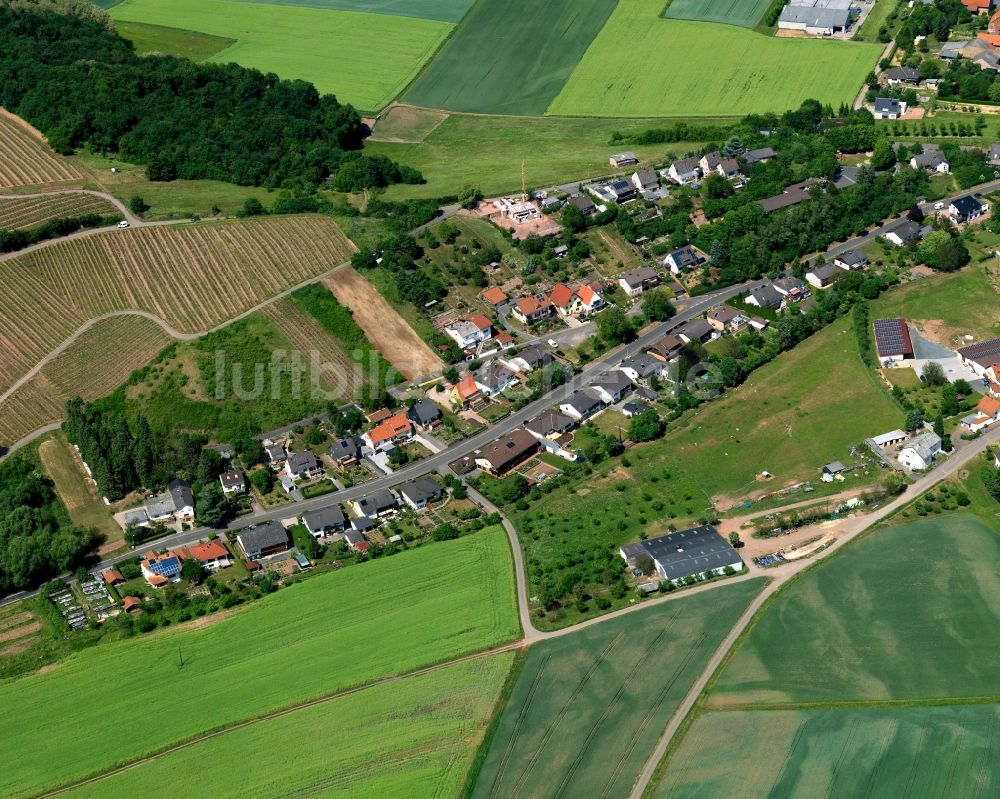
(65, 70)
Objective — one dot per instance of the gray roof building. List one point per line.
(325, 520)
(758, 155)
(686, 552)
(424, 413)
(765, 296)
(344, 449)
(549, 423)
(263, 539)
(419, 492)
(696, 330)
(380, 501)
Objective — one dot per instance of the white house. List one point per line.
(903, 232)
(852, 260)
(685, 170)
(683, 260)
(582, 404)
(470, 330)
(176, 503)
(920, 451)
(638, 280)
(932, 160)
(888, 108)
(987, 414)
(967, 208)
(233, 483)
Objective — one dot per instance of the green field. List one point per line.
(588, 708)
(413, 738)
(441, 10)
(365, 59)
(917, 752)
(744, 13)
(118, 702)
(492, 148)
(868, 31)
(908, 613)
(172, 41)
(510, 60)
(642, 65)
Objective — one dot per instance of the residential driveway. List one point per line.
(435, 445)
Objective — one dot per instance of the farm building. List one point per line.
(816, 17)
(892, 340)
(687, 552)
(265, 539)
(981, 357)
(889, 439)
(831, 470)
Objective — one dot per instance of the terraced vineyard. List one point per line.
(94, 365)
(194, 277)
(25, 212)
(27, 161)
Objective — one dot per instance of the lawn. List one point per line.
(172, 41)
(906, 751)
(441, 10)
(506, 61)
(587, 708)
(316, 638)
(414, 738)
(82, 502)
(489, 151)
(876, 18)
(740, 72)
(365, 59)
(947, 307)
(907, 613)
(744, 13)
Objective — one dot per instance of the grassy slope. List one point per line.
(489, 150)
(172, 41)
(365, 59)
(869, 28)
(510, 62)
(442, 10)
(741, 71)
(82, 503)
(587, 708)
(432, 724)
(316, 638)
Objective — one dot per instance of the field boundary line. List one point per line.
(287, 711)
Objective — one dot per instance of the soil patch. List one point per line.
(15, 621)
(20, 632)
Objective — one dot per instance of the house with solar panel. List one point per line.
(158, 570)
(892, 341)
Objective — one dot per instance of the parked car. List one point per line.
(123, 224)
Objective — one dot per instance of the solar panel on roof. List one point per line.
(892, 337)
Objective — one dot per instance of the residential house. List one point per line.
(303, 466)
(346, 451)
(709, 162)
(684, 170)
(590, 298)
(729, 168)
(421, 492)
(823, 275)
(529, 310)
(466, 392)
(899, 76)
(551, 204)
(113, 577)
(263, 540)
(792, 195)
(641, 367)
(507, 452)
(697, 330)
(622, 160)
(582, 404)
(758, 323)
(212, 555)
(424, 414)
(233, 483)
(678, 555)
(852, 260)
(356, 539)
(377, 505)
(920, 451)
(902, 232)
(158, 570)
(393, 430)
(683, 260)
(565, 300)
(494, 296)
(176, 503)
(791, 288)
(726, 319)
(888, 108)
(977, 7)
(275, 454)
(967, 208)
(550, 425)
(529, 359)
(632, 409)
(622, 190)
(982, 357)
(645, 180)
(636, 281)
(584, 203)
(987, 413)
(759, 156)
(765, 296)
(494, 378)
(360, 524)
(470, 330)
(667, 348)
(611, 386)
(931, 159)
(325, 521)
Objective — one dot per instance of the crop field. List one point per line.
(383, 326)
(588, 708)
(192, 276)
(906, 614)
(94, 365)
(364, 59)
(414, 738)
(918, 752)
(331, 633)
(81, 499)
(745, 73)
(744, 13)
(172, 41)
(506, 61)
(441, 10)
(25, 160)
(552, 149)
(26, 212)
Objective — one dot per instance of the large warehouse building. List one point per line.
(816, 17)
(892, 340)
(677, 555)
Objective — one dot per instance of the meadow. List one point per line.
(178, 42)
(364, 59)
(25, 160)
(18, 213)
(587, 708)
(503, 60)
(742, 72)
(916, 752)
(216, 271)
(441, 10)
(414, 737)
(744, 13)
(322, 636)
(906, 613)
(552, 149)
